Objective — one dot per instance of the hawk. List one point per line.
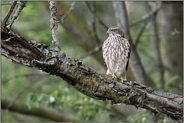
(116, 53)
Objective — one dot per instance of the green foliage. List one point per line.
(84, 107)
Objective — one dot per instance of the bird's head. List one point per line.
(115, 30)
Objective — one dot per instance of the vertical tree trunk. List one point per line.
(172, 25)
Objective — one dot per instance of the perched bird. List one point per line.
(116, 53)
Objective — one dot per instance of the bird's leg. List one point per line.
(124, 78)
(113, 75)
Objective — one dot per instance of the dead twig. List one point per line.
(145, 17)
(97, 17)
(141, 31)
(68, 12)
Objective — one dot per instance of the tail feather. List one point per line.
(108, 72)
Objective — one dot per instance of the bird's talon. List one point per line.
(123, 79)
(113, 76)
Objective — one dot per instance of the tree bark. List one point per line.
(86, 80)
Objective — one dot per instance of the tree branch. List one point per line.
(141, 31)
(145, 17)
(96, 16)
(86, 80)
(76, 31)
(13, 13)
(63, 17)
(53, 24)
(34, 111)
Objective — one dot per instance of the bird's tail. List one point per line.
(108, 72)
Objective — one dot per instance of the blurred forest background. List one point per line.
(157, 33)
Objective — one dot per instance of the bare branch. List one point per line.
(54, 24)
(146, 17)
(68, 12)
(82, 38)
(88, 81)
(141, 31)
(97, 17)
(13, 13)
(38, 112)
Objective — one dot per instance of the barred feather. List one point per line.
(116, 50)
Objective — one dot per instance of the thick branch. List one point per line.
(87, 80)
(34, 111)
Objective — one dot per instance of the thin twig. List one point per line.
(145, 17)
(97, 17)
(13, 13)
(143, 27)
(53, 24)
(68, 12)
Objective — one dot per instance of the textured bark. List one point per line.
(86, 80)
(34, 111)
(172, 26)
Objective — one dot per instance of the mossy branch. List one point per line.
(87, 80)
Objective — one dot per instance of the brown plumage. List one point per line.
(116, 53)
